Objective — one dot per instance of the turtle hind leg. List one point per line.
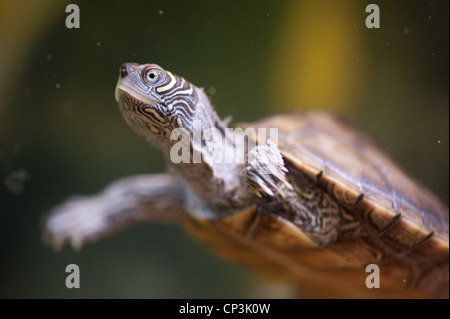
(120, 206)
(291, 194)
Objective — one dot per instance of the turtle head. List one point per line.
(157, 103)
(154, 101)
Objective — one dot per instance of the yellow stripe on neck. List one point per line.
(168, 86)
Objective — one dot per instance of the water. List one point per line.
(61, 132)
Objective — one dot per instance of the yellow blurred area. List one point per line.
(21, 23)
(316, 65)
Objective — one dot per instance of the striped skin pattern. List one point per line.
(154, 101)
(298, 199)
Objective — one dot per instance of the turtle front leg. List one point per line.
(121, 205)
(291, 194)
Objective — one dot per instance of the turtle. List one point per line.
(317, 205)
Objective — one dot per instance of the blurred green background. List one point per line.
(61, 132)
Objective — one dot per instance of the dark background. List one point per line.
(61, 132)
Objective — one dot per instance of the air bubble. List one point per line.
(15, 181)
(212, 90)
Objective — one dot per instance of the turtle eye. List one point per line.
(152, 76)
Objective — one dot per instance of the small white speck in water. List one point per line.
(404, 280)
(161, 12)
(429, 17)
(49, 57)
(99, 44)
(15, 181)
(406, 30)
(212, 90)
(58, 85)
(439, 141)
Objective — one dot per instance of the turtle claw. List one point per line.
(74, 223)
(265, 170)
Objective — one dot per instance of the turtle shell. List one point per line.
(387, 219)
